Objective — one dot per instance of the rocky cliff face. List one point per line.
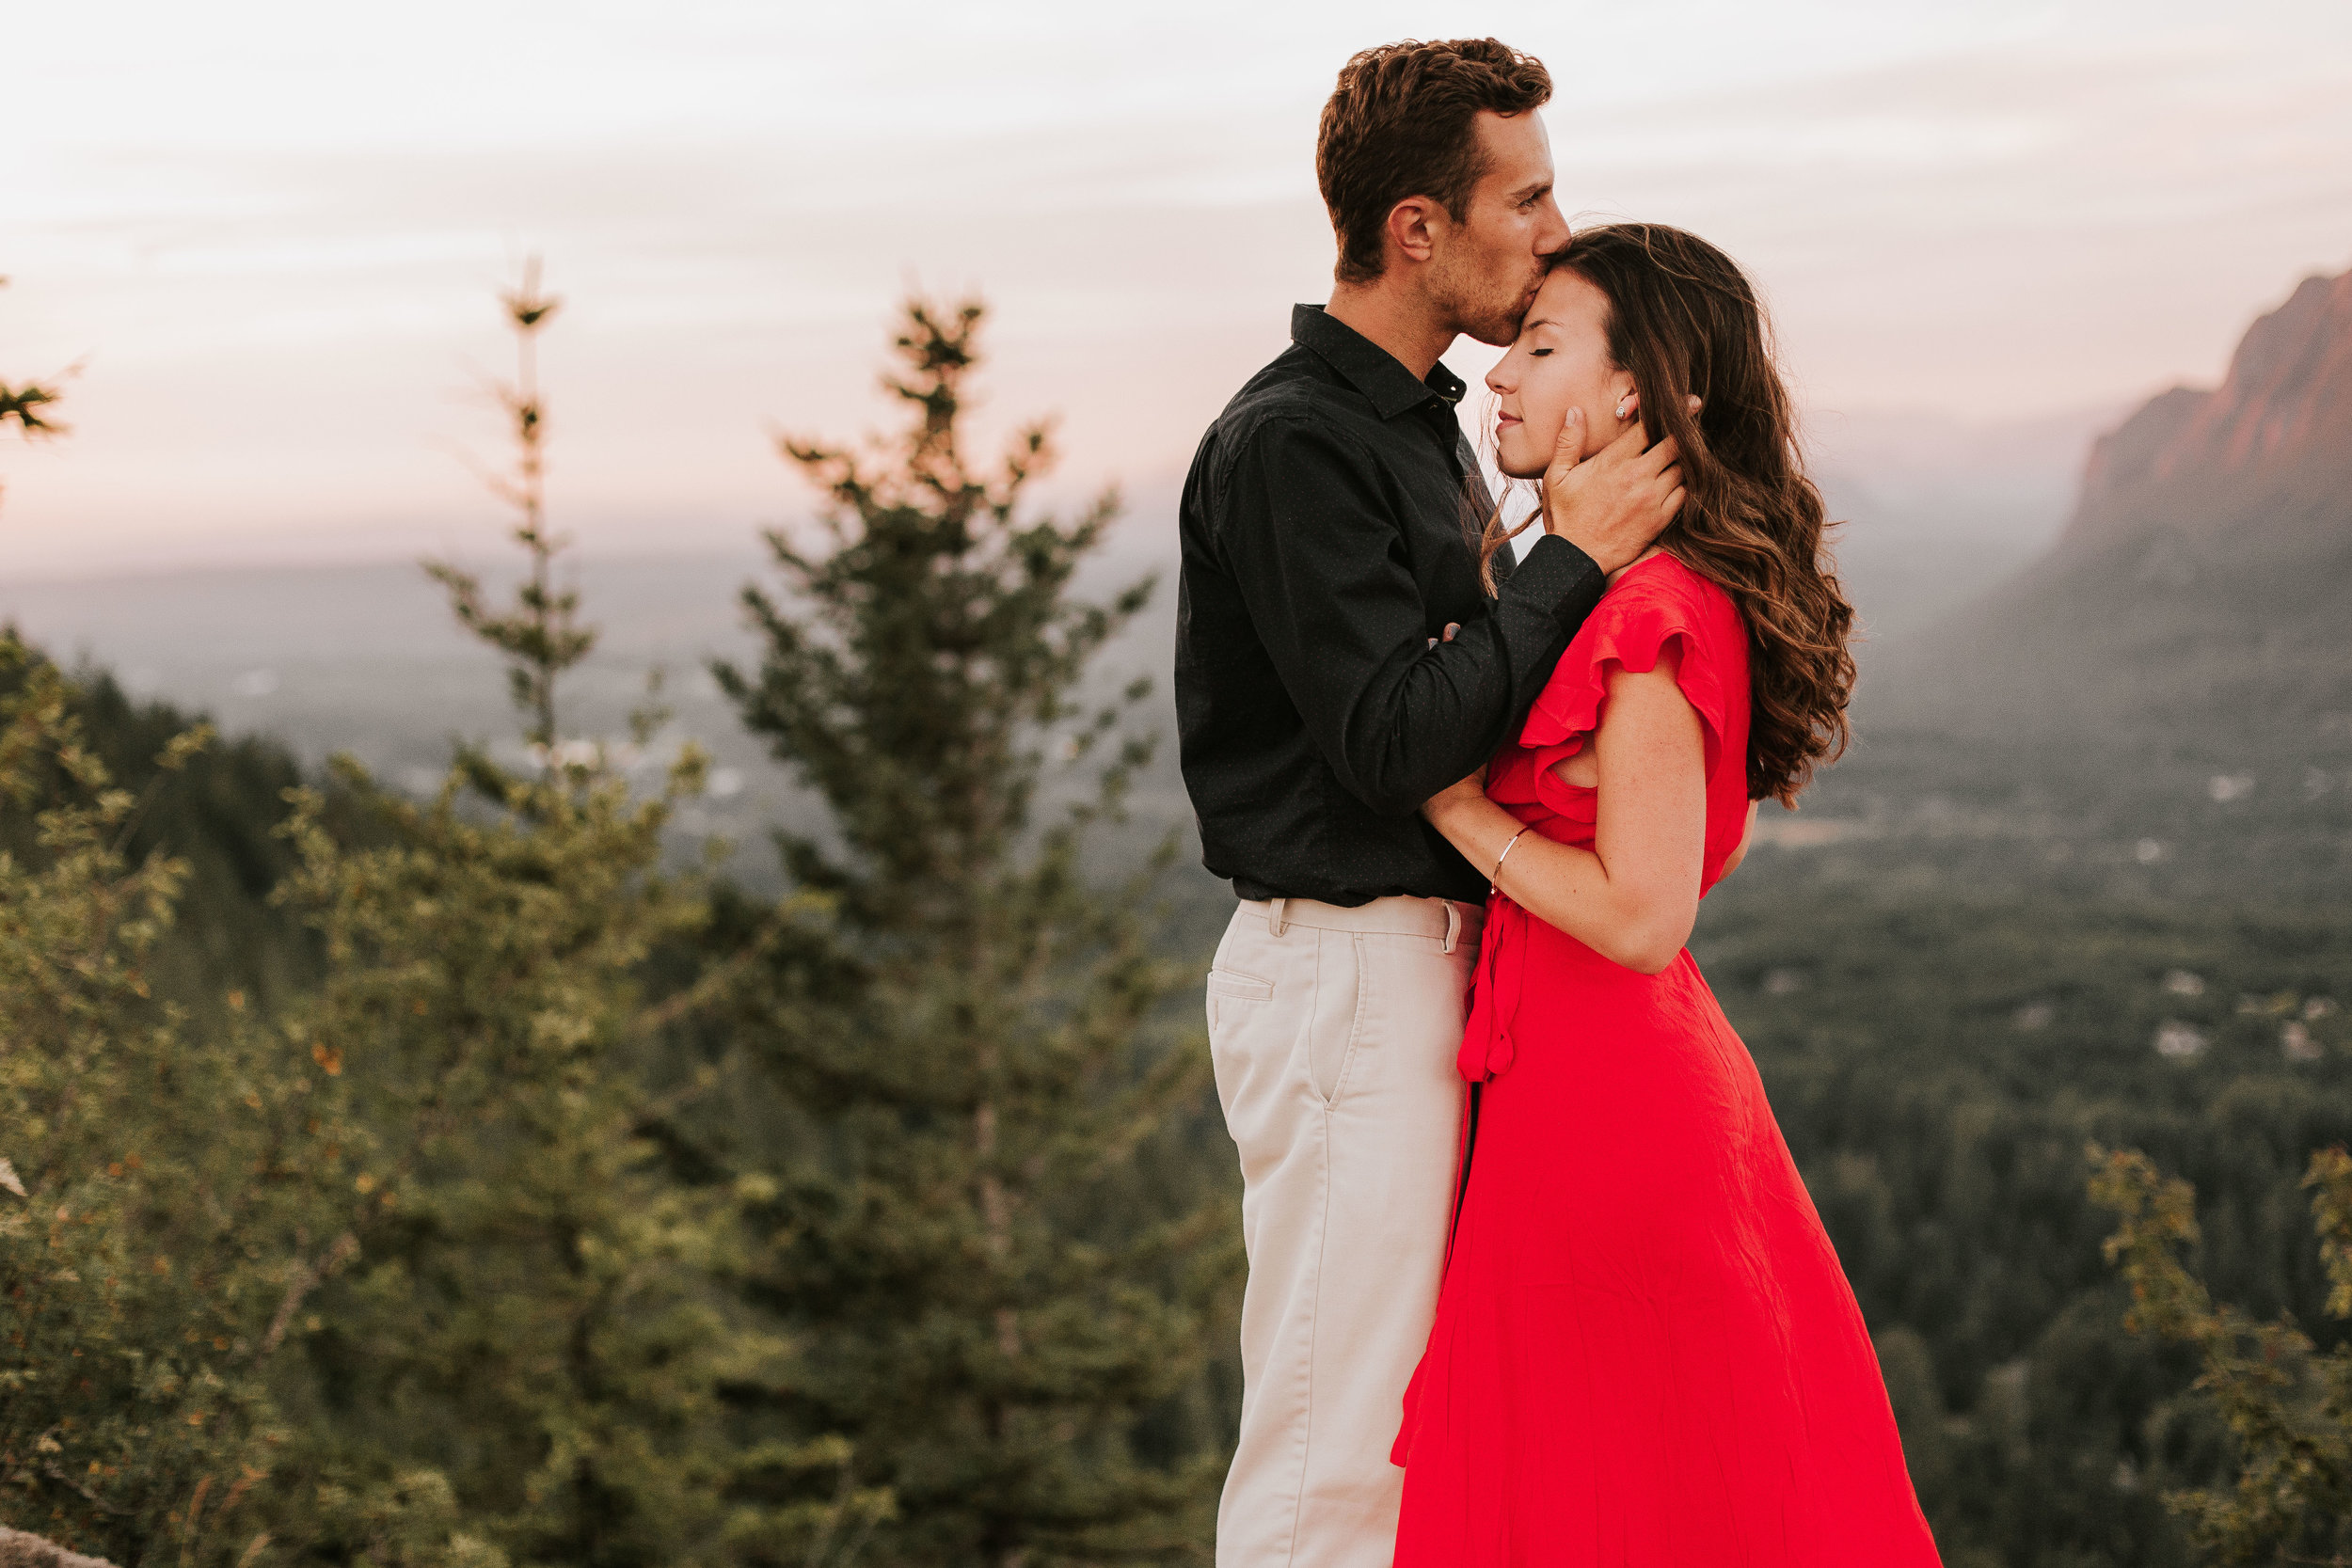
(2260, 464)
(2164, 700)
(2203, 587)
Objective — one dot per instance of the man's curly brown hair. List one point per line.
(1403, 122)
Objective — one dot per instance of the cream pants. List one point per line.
(1334, 1032)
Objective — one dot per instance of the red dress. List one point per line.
(1645, 1353)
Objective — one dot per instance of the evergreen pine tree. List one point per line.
(541, 635)
(2286, 1404)
(960, 1016)
(516, 1349)
(143, 1174)
(158, 1174)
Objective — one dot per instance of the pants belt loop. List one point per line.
(1275, 921)
(1453, 922)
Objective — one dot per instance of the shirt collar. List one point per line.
(1369, 367)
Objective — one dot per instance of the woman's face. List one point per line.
(1559, 362)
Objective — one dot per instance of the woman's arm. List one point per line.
(1633, 896)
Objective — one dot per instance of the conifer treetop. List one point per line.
(927, 637)
(28, 407)
(541, 635)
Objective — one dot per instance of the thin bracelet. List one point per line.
(1494, 883)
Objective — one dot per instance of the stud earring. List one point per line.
(1623, 403)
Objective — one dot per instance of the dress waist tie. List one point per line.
(1487, 1045)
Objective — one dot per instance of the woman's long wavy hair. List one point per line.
(1683, 318)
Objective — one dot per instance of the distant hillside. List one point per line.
(2165, 696)
(2205, 582)
(1934, 509)
(2261, 466)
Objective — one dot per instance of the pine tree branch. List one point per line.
(307, 1279)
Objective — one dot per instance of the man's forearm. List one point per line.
(1452, 707)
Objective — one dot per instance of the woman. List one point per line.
(1645, 1353)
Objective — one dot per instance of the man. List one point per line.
(1329, 525)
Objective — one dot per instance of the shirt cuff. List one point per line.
(1555, 578)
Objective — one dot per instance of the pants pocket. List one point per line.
(1335, 1028)
(1230, 986)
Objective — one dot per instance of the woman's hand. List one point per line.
(1469, 791)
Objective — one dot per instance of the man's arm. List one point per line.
(1318, 554)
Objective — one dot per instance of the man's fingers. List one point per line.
(1624, 447)
(1674, 503)
(1664, 485)
(1664, 455)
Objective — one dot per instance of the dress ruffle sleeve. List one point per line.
(1629, 631)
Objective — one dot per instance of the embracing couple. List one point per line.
(1533, 1279)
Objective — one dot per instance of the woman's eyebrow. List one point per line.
(1531, 324)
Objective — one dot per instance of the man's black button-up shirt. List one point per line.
(1330, 528)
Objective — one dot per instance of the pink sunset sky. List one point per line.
(268, 232)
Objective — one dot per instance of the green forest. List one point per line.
(482, 1177)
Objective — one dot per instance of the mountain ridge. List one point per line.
(2204, 577)
(2164, 698)
(2261, 463)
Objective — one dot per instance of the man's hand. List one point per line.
(1611, 504)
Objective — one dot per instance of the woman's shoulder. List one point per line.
(1657, 598)
(1663, 582)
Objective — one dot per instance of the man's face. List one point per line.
(1486, 269)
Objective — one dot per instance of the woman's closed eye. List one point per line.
(1537, 353)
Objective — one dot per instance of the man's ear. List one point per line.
(1413, 224)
